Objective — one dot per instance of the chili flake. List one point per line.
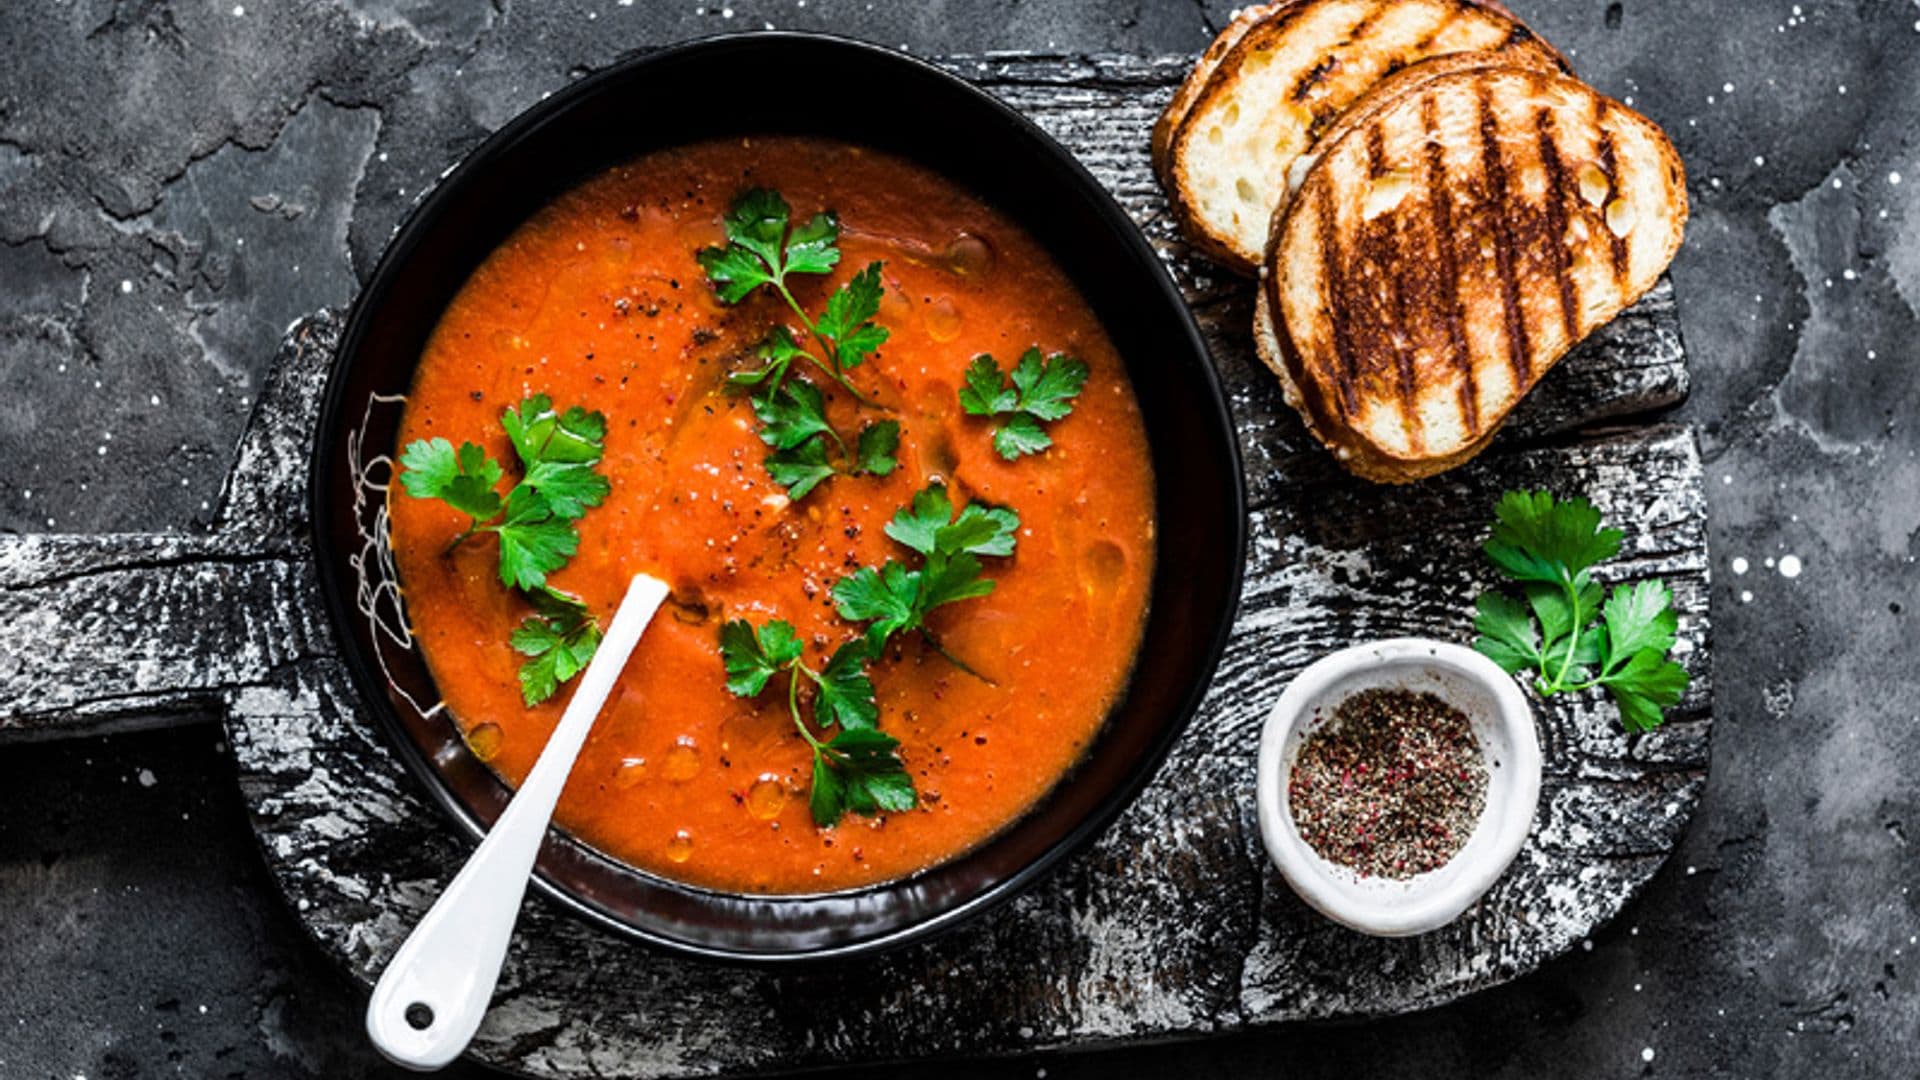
(1390, 785)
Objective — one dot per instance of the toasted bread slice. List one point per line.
(1377, 97)
(1446, 250)
(1287, 77)
(1243, 20)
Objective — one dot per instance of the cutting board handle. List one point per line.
(118, 631)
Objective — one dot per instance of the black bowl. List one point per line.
(679, 95)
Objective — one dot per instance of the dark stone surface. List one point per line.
(140, 142)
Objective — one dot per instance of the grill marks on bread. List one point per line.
(1610, 167)
(1411, 323)
(1225, 145)
(1493, 167)
(1557, 219)
(1446, 266)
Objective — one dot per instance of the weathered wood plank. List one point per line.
(130, 631)
(362, 856)
(1171, 924)
(1335, 561)
(135, 630)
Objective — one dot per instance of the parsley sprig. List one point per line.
(762, 250)
(896, 598)
(858, 769)
(793, 424)
(534, 522)
(1041, 392)
(1564, 632)
(559, 640)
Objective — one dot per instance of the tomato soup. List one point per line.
(599, 301)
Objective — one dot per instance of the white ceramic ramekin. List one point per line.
(1503, 723)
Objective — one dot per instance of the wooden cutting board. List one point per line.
(1172, 924)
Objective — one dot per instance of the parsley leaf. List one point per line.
(1041, 391)
(895, 598)
(539, 434)
(1047, 390)
(757, 221)
(927, 526)
(791, 415)
(753, 657)
(1645, 687)
(760, 251)
(1538, 539)
(755, 254)
(848, 319)
(734, 271)
(949, 579)
(827, 798)
(1565, 633)
(859, 771)
(985, 392)
(800, 469)
(561, 639)
(463, 480)
(979, 530)
(569, 490)
(1641, 617)
(533, 541)
(1508, 635)
(778, 350)
(557, 453)
(845, 692)
(864, 749)
(886, 598)
(794, 423)
(918, 524)
(1021, 435)
(811, 249)
(878, 446)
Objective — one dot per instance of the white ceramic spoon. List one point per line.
(430, 1000)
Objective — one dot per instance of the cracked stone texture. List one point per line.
(177, 183)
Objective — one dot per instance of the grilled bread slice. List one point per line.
(1244, 19)
(1287, 77)
(1266, 334)
(1196, 81)
(1376, 98)
(1447, 249)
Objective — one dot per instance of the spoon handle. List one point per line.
(435, 990)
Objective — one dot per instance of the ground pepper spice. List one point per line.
(1390, 785)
